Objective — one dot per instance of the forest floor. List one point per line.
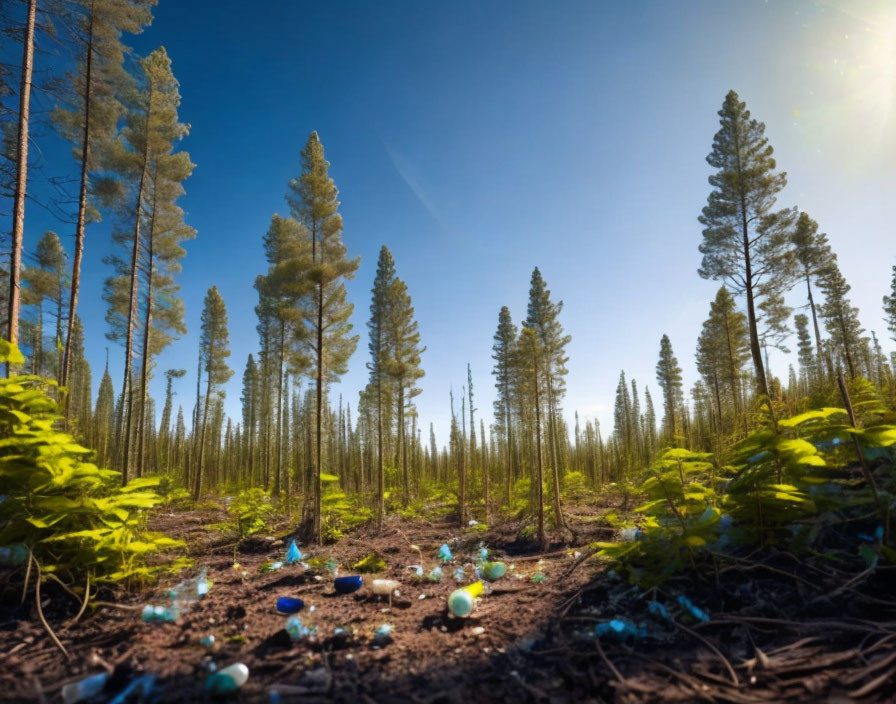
(778, 632)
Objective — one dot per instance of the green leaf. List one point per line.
(822, 413)
(372, 563)
(10, 354)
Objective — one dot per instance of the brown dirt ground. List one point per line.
(430, 656)
(782, 630)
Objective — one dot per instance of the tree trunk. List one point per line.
(380, 478)
(555, 454)
(82, 213)
(400, 454)
(147, 327)
(755, 351)
(320, 399)
(127, 392)
(37, 364)
(818, 346)
(850, 365)
(18, 222)
(197, 486)
(508, 421)
(278, 468)
(540, 477)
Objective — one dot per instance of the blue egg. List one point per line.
(289, 605)
(347, 585)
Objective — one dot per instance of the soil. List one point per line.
(525, 641)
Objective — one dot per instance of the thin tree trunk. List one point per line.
(320, 399)
(400, 454)
(508, 421)
(555, 454)
(82, 213)
(540, 483)
(59, 293)
(127, 391)
(193, 453)
(18, 222)
(197, 486)
(755, 351)
(147, 327)
(849, 362)
(380, 478)
(279, 466)
(37, 363)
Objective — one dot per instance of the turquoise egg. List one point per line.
(494, 570)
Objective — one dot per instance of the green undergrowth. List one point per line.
(779, 488)
(61, 515)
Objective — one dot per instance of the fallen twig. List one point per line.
(40, 613)
(714, 649)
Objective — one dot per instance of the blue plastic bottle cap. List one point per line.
(347, 585)
(289, 605)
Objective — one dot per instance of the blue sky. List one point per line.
(481, 139)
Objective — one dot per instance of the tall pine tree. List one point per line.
(326, 331)
(745, 241)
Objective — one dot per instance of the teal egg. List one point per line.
(460, 602)
(493, 570)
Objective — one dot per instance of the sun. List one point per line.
(864, 65)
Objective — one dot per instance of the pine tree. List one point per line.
(402, 364)
(93, 109)
(890, 307)
(623, 425)
(104, 416)
(21, 182)
(649, 423)
(502, 353)
(530, 360)
(163, 232)
(282, 295)
(840, 318)
(722, 350)
(79, 382)
(668, 376)
(214, 346)
(745, 242)
(806, 354)
(813, 255)
(327, 338)
(379, 355)
(165, 431)
(150, 132)
(250, 400)
(543, 319)
(46, 280)
(472, 411)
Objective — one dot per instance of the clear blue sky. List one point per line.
(480, 139)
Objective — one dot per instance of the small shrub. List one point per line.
(574, 486)
(73, 517)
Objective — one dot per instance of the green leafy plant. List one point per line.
(251, 511)
(340, 512)
(374, 562)
(680, 515)
(73, 518)
(783, 477)
(574, 486)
